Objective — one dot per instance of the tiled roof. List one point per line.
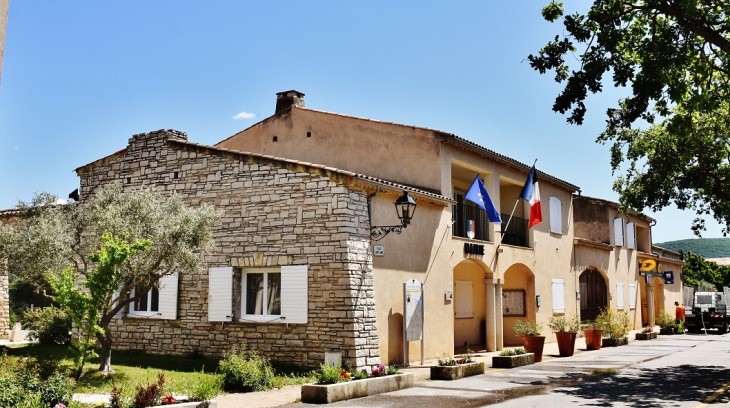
(616, 206)
(592, 244)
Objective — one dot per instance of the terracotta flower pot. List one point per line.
(566, 343)
(593, 338)
(534, 344)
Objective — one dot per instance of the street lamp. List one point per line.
(405, 206)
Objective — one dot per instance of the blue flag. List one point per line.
(478, 195)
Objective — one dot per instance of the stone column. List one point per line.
(498, 309)
(491, 316)
(650, 305)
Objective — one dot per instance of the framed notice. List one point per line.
(513, 303)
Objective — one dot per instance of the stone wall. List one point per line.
(273, 212)
(4, 302)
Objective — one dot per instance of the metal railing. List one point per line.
(466, 218)
(518, 232)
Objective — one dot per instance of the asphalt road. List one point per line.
(672, 371)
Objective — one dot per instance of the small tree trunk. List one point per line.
(105, 342)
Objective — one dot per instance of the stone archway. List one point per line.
(518, 300)
(469, 303)
(593, 294)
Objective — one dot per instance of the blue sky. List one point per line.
(81, 77)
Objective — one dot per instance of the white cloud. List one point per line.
(244, 115)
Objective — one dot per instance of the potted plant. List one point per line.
(615, 326)
(593, 335)
(532, 341)
(513, 358)
(647, 333)
(453, 368)
(666, 323)
(565, 330)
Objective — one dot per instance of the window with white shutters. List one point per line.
(220, 294)
(620, 295)
(157, 303)
(558, 295)
(556, 215)
(631, 235)
(632, 296)
(618, 232)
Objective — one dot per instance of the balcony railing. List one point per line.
(518, 232)
(470, 221)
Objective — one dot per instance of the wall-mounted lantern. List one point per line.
(405, 206)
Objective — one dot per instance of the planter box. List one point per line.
(328, 393)
(457, 371)
(666, 331)
(513, 361)
(645, 336)
(609, 342)
(199, 404)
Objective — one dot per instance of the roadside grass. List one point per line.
(137, 368)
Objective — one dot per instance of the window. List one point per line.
(631, 235)
(558, 295)
(158, 303)
(261, 293)
(556, 216)
(275, 295)
(620, 295)
(464, 299)
(146, 305)
(618, 232)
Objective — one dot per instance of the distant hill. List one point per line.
(706, 247)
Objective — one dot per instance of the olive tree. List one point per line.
(158, 236)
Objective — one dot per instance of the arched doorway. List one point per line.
(593, 294)
(518, 301)
(470, 304)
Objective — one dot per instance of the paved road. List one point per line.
(672, 371)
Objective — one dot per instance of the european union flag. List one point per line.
(478, 195)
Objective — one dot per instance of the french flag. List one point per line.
(531, 192)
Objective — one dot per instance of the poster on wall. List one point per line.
(513, 303)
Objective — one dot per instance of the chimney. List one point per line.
(285, 100)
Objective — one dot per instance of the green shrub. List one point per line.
(149, 395)
(49, 325)
(359, 375)
(615, 324)
(22, 386)
(562, 324)
(204, 387)
(527, 328)
(329, 374)
(665, 320)
(391, 370)
(242, 372)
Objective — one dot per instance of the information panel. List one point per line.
(414, 310)
(513, 303)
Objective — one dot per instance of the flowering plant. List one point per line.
(169, 399)
(648, 330)
(59, 405)
(378, 371)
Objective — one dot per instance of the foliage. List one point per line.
(22, 295)
(666, 321)
(245, 372)
(675, 56)
(52, 243)
(562, 324)
(391, 370)
(330, 374)
(705, 247)
(204, 387)
(527, 328)
(49, 325)
(149, 395)
(359, 375)
(696, 270)
(21, 385)
(452, 361)
(513, 352)
(378, 371)
(615, 324)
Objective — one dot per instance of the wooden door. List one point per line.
(593, 294)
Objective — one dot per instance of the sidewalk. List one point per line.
(289, 395)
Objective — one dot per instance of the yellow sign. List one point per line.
(648, 265)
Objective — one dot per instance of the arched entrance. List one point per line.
(518, 300)
(470, 304)
(593, 294)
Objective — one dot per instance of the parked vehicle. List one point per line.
(707, 311)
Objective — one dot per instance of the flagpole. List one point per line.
(511, 214)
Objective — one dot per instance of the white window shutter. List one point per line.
(168, 297)
(618, 232)
(120, 313)
(620, 295)
(558, 295)
(631, 235)
(295, 294)
(632, 295)
(556, 216)
(220, 294)
(464, 299)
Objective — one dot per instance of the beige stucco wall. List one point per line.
(4, 6)
(403, 154)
